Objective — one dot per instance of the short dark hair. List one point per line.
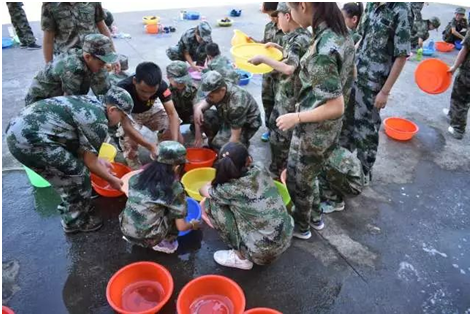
(269, 6)
(212, 49)
(148, 72)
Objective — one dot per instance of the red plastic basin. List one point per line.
(400, 128)
(103, 188)
(262, 310)
(199, 158)
(444, 47)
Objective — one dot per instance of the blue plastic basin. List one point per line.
(193, 212)
(244, 77)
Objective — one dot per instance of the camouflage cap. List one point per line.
(460, 11)
(211, 81)
(178, 71)
(281, 7)
(204, 30)
(101, 47)
(171, 153)
(120, 98)
(435, 22)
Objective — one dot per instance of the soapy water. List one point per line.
(141, 296)
(212, 304)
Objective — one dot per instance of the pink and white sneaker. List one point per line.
(166, 246)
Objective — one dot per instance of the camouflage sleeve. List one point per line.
(100, 82)
(237, 110)
(72, 80)
(91, 136)
(99, 13)
(185, 41)
(47, 18)
(178, 208)
(401, 38)
(295, 52)
(220, 194)
(266, 33)
(327, 81)
(466, 41)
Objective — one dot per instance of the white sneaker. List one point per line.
(229, 258)
(166, 246)
(446, 112)
(298, 234)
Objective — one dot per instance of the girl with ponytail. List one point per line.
(352, 12)
(244, 206)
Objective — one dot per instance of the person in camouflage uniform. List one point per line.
(326, 72)
(156, 208)
(420, 31)
(457, 28)
(244, 206)
(183, 90)
(286, 84)
(416, 8)
(115, 77)
(236, 118)
(352, 12)
(460, 97)
(380, 58)
(75, 73)
(272, 34)
(191, 46)
(341, 176)
(21, 25)
(109, 19)
(221, 64)
(65, 24)
(59, 138)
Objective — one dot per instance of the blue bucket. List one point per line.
(192, 15)
(244, 77)
(458, 44)
(193, 212)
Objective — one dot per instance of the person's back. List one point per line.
(240, 107)
(225, 67)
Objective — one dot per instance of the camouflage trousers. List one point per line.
(268, 96)
(177, 53)
(224, 221)
(279, 140)
(347, 139)
(219, 132)
(367, 124)
(312, 144)
(65, 172)
(156, 120)
(460, 101)
(342, 176)
(20, 23)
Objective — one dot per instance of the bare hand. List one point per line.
(198, 141)
(198, 116)
(287, 121)
(116, 184)
(197, 68)
(270, 44)
(195, 224)
(452, 70)
(106, 164)
(256, 60)
(153, 150)
(381, 100)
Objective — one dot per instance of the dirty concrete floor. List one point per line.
(403, 246)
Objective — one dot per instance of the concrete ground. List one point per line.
(400, 247)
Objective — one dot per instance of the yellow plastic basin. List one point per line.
(195, 179)
(150, 20)
(107, 152)
(283, 192)
(239, 38)
(242, 53)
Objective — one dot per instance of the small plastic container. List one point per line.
(244, 77)
(152, 28)
(192, 15)
(35, 179)
(107, 152)
(399, 128)
(458, 44)
(262, 311)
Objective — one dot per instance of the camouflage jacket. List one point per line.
(188, 43)
(326, 70)
(459, 25)
(420, 30)
(261, 217)
(70, 21)
(356, 37)
(466, 43)
(183, 100)
(67, 74)
(385, 30)
(273, 34)
(415, 11)
(225, 67)
(77, 123)
(239, 109)
(146, 216)
(287, 87)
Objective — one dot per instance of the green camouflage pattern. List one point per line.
(461, 27)
(71, 22)
(109, 19)
(211, 81)
(250, 216)
(171, 153)
(120, 98)
(148, 220)
(286, 88)
(326, 72)
(274, 35)
(283, 7)
(460, 97)
(101, 47)
(355, 36)
(420, 30)
(50, 137)
(67, 74)
(20, 23)
(178, 70)
(238, 109)
(416, 8)
(188, 43)
(183, 101)
(386, 35)
(204, 30)
(224, 66)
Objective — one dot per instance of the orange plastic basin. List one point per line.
(152, 29)
(432, 77)
(199, 158)
(400, 128)
(262, 310)
(215, 287)
(7, 310)
(444, 47)
(140, 288)
(103, 188)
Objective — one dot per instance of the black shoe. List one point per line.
(23, 46)
(33, 46)
(92, 224)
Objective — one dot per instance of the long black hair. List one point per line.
(157, 178)
(353, 9)
(329, 13)
(231, 163)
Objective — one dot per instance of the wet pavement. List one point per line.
(403, 246)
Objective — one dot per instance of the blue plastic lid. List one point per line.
(6, 42)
